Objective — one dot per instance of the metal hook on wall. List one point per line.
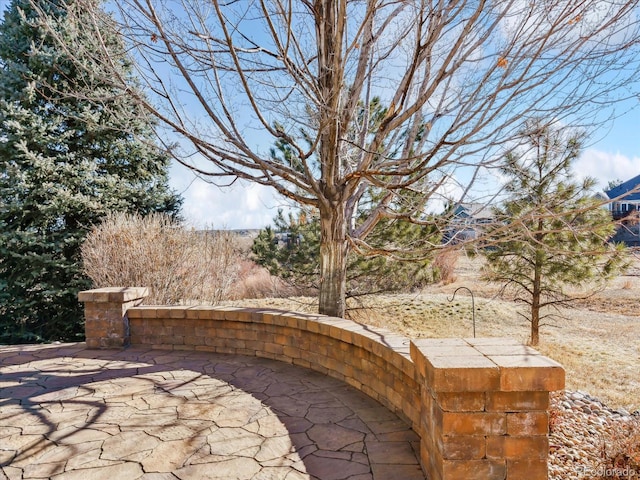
(473, 306)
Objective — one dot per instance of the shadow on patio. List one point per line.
(68, 412)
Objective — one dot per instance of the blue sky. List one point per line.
(613, 153)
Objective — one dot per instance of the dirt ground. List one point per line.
(597, 341)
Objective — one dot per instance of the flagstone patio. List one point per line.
(67, 412)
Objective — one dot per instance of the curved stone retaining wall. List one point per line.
(478, 405)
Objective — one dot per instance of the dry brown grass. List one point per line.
(598, 342)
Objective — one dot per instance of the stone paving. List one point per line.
(67, 412)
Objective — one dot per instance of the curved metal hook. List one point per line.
(473, 305)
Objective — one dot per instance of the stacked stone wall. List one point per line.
(479, 406)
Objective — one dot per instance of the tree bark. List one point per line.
(333, 259)
(535, 320)
(535, 297)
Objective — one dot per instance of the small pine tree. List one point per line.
(551, 231)
(64, 163)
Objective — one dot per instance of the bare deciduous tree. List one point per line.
(460, 77)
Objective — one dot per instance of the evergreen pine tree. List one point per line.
(290, 250)
(551, 231)
(64, 163)
(392, 257)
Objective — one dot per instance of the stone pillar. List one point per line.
(484, 408)
(105, 313)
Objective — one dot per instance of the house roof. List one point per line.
(623, 190)
(477, 211)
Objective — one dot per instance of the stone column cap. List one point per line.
(485, 364)
(113, 294)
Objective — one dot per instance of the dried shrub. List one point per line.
(444, 266)
(255, 281)
(628, 284)
(620, 452)
(177, 264)
(555, 419)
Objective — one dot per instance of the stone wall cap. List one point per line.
(113, 294)
(448, 363)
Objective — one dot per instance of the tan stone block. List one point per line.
(193, 312)
(530, 447)
(463, 448)
(94, 328)
(226, 350)
(189, 328)
(484, 469)
(114, 342)
(134, 294)
(462, 374)
(204, 348)
(518, 349)
(529, 373)
(273, 348)
(170, 339)
(292, 352)
(193, 340)
(247, 334)
(254, 346)
(294, 321)
(266, 337)
(451, 351)
(176, 312)
(531, 469)
(179, 330)
(205, 313)
(474, 423)
(302, 362)
(313, 326)
(143, 312)
(499, 341)
(461, 402)
(239, 314)
(85, 296)
(421, 343)
(517, 401)
(527, 423)
(113, 294)
(394, 398)
(204, 332)
(94, 296)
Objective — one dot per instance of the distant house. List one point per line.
(467, 221)
(624, 205)
(625, 198)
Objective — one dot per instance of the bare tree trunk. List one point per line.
(333, 259)
(304, 74)
(535, 319)
(535, 299)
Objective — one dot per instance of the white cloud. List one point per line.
(249, 205)
(605, 166)
(242, 205)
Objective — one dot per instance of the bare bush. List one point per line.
(177, 264)
(444, 266)
(620, 452)
(256, 282)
